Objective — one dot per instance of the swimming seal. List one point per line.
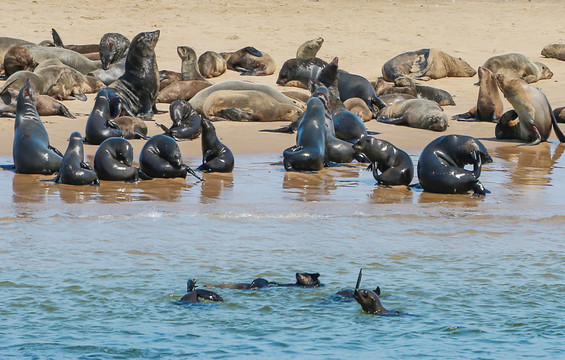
(216, 157)
(425, 64)
(113, 161)
(370, 301)
(258, 283)
(99, 127)
(249, 61)
(160, 157)
(137, 88)
(533, 110)
(305, 280)
(441, 167)
(193, 294)
(556, 51)
(186, 122)
(309, 49)
(416, 113)
(518, 66)
(31, 150)
(211, 64)
(309, 152)
(395, 165)
(489, 104)
(74, 171)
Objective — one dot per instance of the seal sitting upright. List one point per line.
(370, 301)
(441, 167)
(32, 152)
(74, 171)
(137, 88)
(216, 157)
(160, 157)
(113, 161)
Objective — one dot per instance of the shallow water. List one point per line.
(94, 272)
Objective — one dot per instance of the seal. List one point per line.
(556, 51)
(74, 171)
(395, 165)
(426, 64)
(18, 58)
(248, 105)
(249, 61)
(160, 157)
(186, 122)
(113, 51)
(258, 283)
(211, 64)
(441, 167)
(440, 96)
(68, 57)
(390, 99)
(518, 66)
(559, 114)
(31, 150)
(310, 150)
(6, 43)
(417, 113)
(99, 127)
(181, 90)
(113, 161)
(198, 100)
(131, 127)
(531, 106)
(193, 294)
(370, 301)
(81, 49)
(309, 49)
(359, 107)
(297, 95)
(216, 157)
(305, 280)
(45, 105)
(383, 88)
(137, 88)
(489, 104)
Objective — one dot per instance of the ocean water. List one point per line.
(94, 272)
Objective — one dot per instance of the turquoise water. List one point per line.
(94, 273)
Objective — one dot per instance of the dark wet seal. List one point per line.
(305, 280)
(370, 301)
(258, 283)
(193, 294)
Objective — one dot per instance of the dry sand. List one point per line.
(363, 34)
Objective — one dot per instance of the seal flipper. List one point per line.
(63, 111)
(556, 128)
(251, 50)
(56, 38)
(55, 150)
(394, 121)
(193, 173)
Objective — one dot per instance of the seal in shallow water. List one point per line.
(186, 122)
(31, 150)
(441, 167)
(74, 171)
(370, 301)
(160, 157)
(99, 127)
(113, 161)
(216, 157)
(193, 294)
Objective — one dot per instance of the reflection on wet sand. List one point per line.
(213, 187)
(391, 195)
(530, 165)
(32, 188)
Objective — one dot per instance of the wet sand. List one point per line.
(364, 35)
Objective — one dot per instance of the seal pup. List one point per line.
(31, 152)
(211, 64)
(556, 51)
(518, 66)
(309, 49)
(489, 103)
(18, 58)
(426, 64)
(417, 113)
(249, 61)
(6, 43)
(531, 106)
(193, 294)
(181, 90)
(441, 167)
(395, 165)
(160, 157)
(137, 88)
(247, 105)
(113, 161)
(186, 121)
(310, 150)
(258, 283)
(99, 127)
(359, 107)
(131, 127)
(45, 105)
(370, 301)
(216, 157)
(74, 171)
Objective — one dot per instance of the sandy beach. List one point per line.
(362, 34)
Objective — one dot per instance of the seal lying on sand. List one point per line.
(441, 167)
(74, 171)
(193, 294)
(211, 64)
(249, 61)
(309, 49)
(132, 127)
(417, 113)
(44, 104)
(556, 51)
(518, 66)
(533, 110)
(425, 64)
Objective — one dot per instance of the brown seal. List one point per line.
(359, 107)
(250, 61)
(556, 51)
(390, 99)
(297, 95)
(531, 107)
(489, 104)
(211, 64)
(518, 66)
(310, 48)
(18, 58)
(45, 104)
(6, 43)
(248, 105)
(417, 113)
(425, 64)
(132, 127)
(181, 90)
